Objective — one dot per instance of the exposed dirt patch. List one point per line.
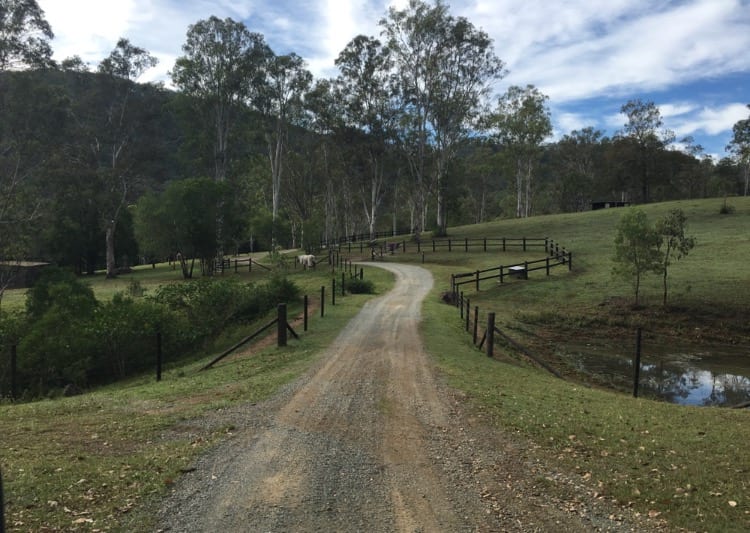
(372, 440)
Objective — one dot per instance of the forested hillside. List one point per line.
(406, 137)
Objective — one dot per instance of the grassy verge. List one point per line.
(686, 465)
(96, 461)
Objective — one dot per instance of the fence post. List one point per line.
(281, 326)
(305, 312)
(13, 373)
(2, 505)
(524, 244)
(460, 305)
(503, 244)
(433, 245)
(637, 363)
(485, 244)
(158, 356)
(490, 334)
(477, 280)
(468, 313)
(547, 264)
(450, 248)
(466, 244)
(476, 323)
(525, 270)
(322, 301)
(501, 273)
(333, 291)
(361, 273)
(546, 245)
(343, 287)
(570, 261)
(419, 247)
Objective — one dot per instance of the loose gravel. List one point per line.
(371, 440)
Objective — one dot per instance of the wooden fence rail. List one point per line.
(492, 333)
(501, 272)
(555, 256)
(246, 263)
(484, 244)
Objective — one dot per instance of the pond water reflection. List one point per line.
(716, 375)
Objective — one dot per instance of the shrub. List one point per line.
(360, 286)
(60, 342)
(59, 288)
(126, 337)
(211, 304)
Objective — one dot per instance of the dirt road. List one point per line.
(370, 441)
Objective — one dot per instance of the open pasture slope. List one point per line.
(106, 459)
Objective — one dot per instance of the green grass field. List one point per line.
(103, 459)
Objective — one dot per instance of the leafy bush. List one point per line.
(126, 337)
(360, 286)
(210, 304)
(59, 288)
(67, 337)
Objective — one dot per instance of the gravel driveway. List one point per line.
(370, 440)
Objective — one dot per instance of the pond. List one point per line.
(717, 375)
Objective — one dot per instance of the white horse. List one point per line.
(307, 260)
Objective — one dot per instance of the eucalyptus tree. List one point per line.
(183, 219)
(24, 35)
(444, 69)
(577, 157)
(223, 70)
(281, 102)
(26, 108)
(325, 118)
(114, 135)
(643, 130)
(364, 88)
(739, 147)
(520, 123)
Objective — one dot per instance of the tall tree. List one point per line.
(223, 70)
(115, 134)
(325, 117)
(24, 35)
(643, 129)
(444, 68)
(739, 147)
(364, 88)
(520, 123)
(577, 162)
(32, 132)
(286, 82)
(183, 219)
(26, 109)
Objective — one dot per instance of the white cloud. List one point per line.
(567, 122)
(571, 51)
(675, 109)
(710, 120)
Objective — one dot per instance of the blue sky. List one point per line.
(690, 57)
